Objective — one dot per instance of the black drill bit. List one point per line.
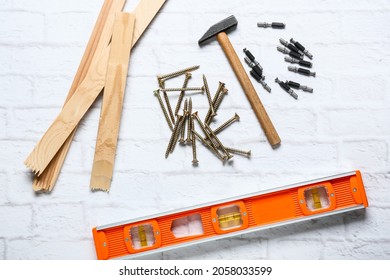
(290, 53)
(277, 25)
(301, 71)
(303, 63)
(302, 48)
(299, 86)
(286, 88)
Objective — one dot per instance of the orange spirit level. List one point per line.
(230, 217)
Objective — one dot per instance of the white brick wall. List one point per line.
(343, 125)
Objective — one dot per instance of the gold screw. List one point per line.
(162, 86)
(157, 94)
(173, 136)
(177, 73)
(205, 131)
(229, 156)
(175, 140)
(185, 89)
(218, 103)
(239, 152)
(206, 87)
(227, 123)
(220, 87)
(194, 159)
(169, 106)
(190, 122)
(183, 127)
(207, 144)
(181, 96)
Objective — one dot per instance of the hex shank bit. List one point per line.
(299, 86)
(290, 53)
(277, 25)
(301, 71)
(303, 63)
(301, 48)
(286, 88)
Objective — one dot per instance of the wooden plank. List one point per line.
(114, 91)
(84, 96)
(46, 181)
(145, 11)
(80, 101)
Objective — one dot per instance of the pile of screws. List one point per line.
(182, 125)
(257, 70)
(296, 54)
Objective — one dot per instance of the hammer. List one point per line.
(219, 29)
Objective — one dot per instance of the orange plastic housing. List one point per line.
(225, 218)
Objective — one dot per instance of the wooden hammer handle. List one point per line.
(249, 90)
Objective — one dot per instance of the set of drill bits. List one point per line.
(182, 121)
(296, 53)
(257, 69)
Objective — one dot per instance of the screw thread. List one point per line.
(217, 104)
(212, 134)
(227, 124)
(178, 73)
(183, 130)
(239, 152)
(207, 144)
(157, 94)
(220, 88)
(172, 141)
(189, 124)
(169, 106)
(185, 89)
(206, 87)
(181, 96)
(194, 157)
(202, 126)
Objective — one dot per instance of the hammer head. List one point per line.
(225, 25)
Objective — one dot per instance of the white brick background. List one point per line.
(344, 125)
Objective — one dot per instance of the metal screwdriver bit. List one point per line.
(303, 63)
(278, 25)
(252, 63)
(301, 71)
(302, 48)
(260, 79)
(289, 46)
(289, 52)
(286, 88)
(299, 86)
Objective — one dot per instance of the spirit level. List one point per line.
(238, 215)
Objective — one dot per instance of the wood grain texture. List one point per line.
(107, 138)
(145, 11)
(79, 103)
(250, 92)
(47, 180)
(87, 91)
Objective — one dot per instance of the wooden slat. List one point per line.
(79, 103)
(85, 94)
(46, 181)
(114, 90)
